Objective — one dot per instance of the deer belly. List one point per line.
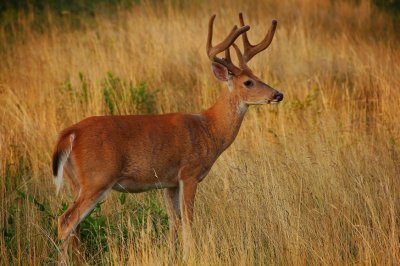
(133, 186)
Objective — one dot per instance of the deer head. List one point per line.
(241, 81)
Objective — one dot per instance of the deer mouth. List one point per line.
(275, 102)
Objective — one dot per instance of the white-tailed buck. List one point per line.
(137, 153)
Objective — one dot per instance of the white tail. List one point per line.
(62, 157)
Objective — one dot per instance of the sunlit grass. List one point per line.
(314, 180)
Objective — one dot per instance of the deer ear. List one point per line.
(220, 72)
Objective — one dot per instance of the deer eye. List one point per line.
(248, 83)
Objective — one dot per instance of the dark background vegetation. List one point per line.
(76, 10)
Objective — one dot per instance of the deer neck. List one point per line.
(225, 118)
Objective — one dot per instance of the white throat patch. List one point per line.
(241, 108)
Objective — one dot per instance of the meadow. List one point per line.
(312, 181)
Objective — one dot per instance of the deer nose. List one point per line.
(277, 97)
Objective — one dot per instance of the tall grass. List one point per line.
(312, 181)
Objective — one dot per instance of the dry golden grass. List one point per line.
(315, 180)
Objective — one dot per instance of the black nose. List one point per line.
(278, 96)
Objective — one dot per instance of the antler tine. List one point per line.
(239, 55)
(227, 55)
(246, 42)
(227, 62)
(251, 50)
(224, 45)
(210, 33)
(232, 36)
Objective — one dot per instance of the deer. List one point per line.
(174, 151)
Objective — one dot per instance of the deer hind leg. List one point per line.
(70, 219)
(75, 187)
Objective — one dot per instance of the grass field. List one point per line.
(315, 180)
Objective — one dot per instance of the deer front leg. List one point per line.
(187, 192)
(171, 198)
